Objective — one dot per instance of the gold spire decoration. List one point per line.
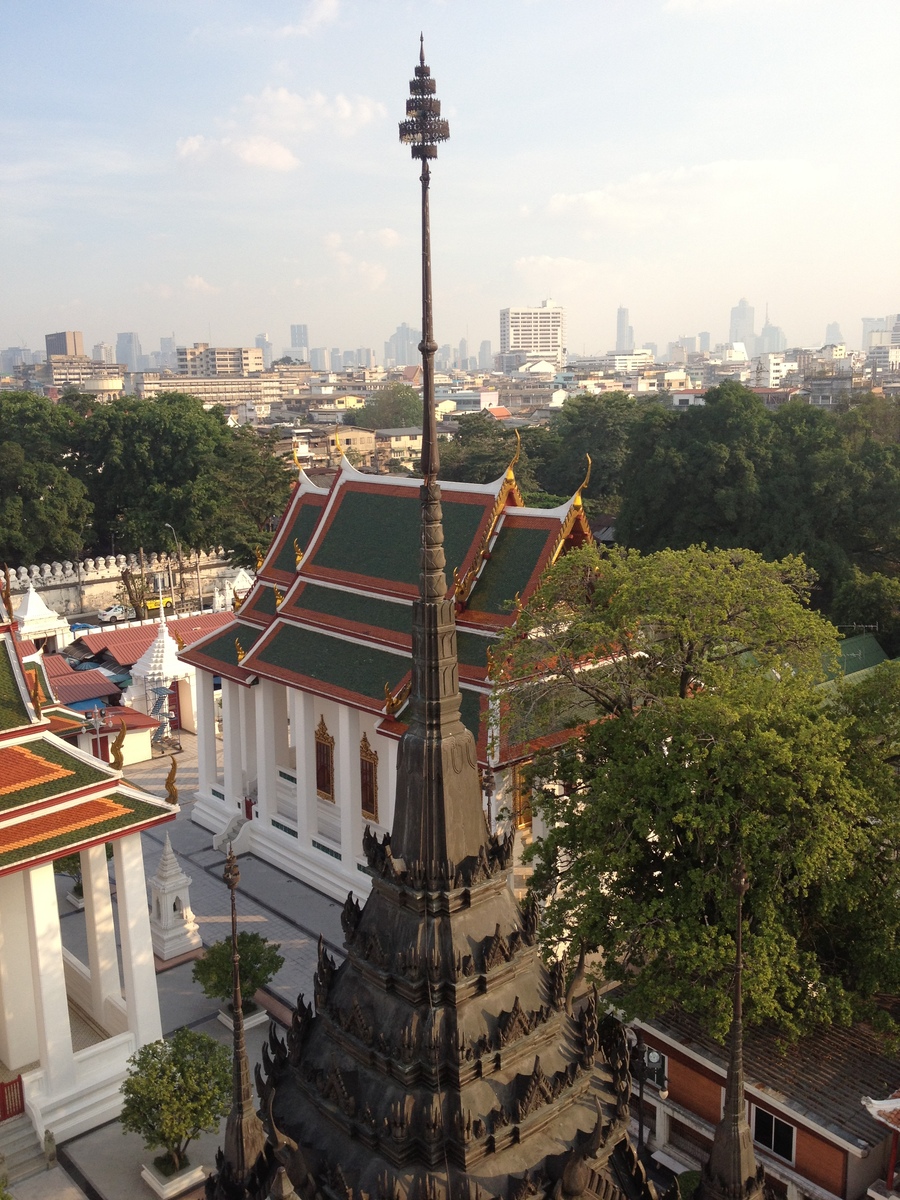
(241, 652)
(236, 602)
(279, 598)
(337, 442)
(259, 558)
(171, 789)
(116, 757)
(510, 474)
(36, 693)
(578, 502)
(393, 703)
(298, 553)
(179, 640)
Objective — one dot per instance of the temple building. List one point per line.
(315, 668)
(67, 1027)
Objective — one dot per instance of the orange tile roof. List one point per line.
(22, 768)
(79, 816)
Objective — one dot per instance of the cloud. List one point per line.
(696, 8)
(261, 151)
(370, 275)
(318, 13)
(195, 146)
(548, 274)
(196, 283)
(278, 108)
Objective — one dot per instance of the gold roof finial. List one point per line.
(259, 558)
(298, 553)
(294, 457)
(36, 693)
(279, 597)
(578, 502)
(510, 474)
(115, 750)
(179, 640)
(337, 442)
(241, 652)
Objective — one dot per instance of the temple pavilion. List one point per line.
(67, 1027)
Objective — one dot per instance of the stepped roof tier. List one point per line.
(54, 799)
(339, 621)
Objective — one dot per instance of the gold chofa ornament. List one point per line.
(116, 757)
(298, 553)
(240, 650)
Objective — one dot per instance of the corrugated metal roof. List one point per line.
(83, 685)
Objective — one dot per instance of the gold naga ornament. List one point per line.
(394, 702)
(116, 747)
(259, 558)
(241, 652)
(171, 789)
(279, 597)
(298, 553)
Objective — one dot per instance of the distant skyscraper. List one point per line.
(336, 362)
(703, 339)
(262, 343)
(69, 342)
(318, 358)
(462, 353)
(872, 325)
(485, 357)
(624, 333)
(833, 335)
(652, 347)
(771, 339)
(103, 352)
(741, 327)
(300, 341)
(365, 357)
(539, 332)
(168, 352)
(402, 347)
(128, 350)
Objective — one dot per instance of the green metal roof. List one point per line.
(470, 712)
(357, 607)
(223, 648)
(301, 528)
(860, 653)
(379, 536)
(13, 713)
(514, 556)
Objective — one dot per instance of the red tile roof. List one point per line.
(84, 685)
(127, 645)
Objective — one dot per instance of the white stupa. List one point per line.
(154, 673)
(41, 624)
(173, 929)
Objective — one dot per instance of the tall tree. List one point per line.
(396, 406)
(596, 425)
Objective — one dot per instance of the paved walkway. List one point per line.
(106, 1163)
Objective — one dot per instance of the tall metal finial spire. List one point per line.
(732, 1172)
(244, 1135)
(438, 816)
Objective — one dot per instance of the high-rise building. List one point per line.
(128, 350)
(624, 332)
(833, 335)
(538, 332)
(103, 352)
(485, 357)
(318, 358)
(703, 340)
(300, 342)
(263, 343)
(336, 360)
(402, 347)
(168, 352)
(771, 340)
(68, 342)
(741, 326)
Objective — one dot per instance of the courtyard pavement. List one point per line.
(105, 1164)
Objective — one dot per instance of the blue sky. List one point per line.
(218, 169)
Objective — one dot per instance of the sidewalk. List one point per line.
(106, 1162)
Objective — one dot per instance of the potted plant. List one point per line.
(174, 1091)
(260, 961)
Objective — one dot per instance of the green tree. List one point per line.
(396, 406)
(174, 1091)
(260, 961)
(481, 451)
(704, 740)
(872, 602)
(596, 425)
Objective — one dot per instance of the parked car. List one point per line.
(153, 604)
(115, 612)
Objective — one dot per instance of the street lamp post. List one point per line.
(180, 562)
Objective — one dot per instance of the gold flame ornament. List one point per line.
(171, 789)
(116, 756)
(241, 652)
(578, 502)
(259, 558)
(298, 553)
(36, 694)
(179, 640)
(510, 474)
(279, 598)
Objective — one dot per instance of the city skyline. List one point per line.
(220, 175)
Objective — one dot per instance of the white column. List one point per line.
(346, 783)
(663, 1122)
(231, 744)
(49, 979)
(248, 734)
(266, 759)
(206, 733)
(141, 996)
(18, 1024)
(280, 724)
(308, 807)
(101, 933)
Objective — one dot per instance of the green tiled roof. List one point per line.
(13, 713)
(360, 669)
(514, 556)
(470, 712)
(472, 649)
(82, 776)
(263, 602)
(139, 811)
(223, 648)
(300, 528)
(354, 606)
(379, 536)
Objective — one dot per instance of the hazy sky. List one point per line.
(218, 168)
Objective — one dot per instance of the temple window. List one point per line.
(324, 762)
(368, 779)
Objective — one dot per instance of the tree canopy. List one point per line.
(175, 1090)
(396, 406)
(706, 742)
(260, 960)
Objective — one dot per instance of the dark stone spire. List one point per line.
(732, 1172)
(438, 815)
(245, 1138)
